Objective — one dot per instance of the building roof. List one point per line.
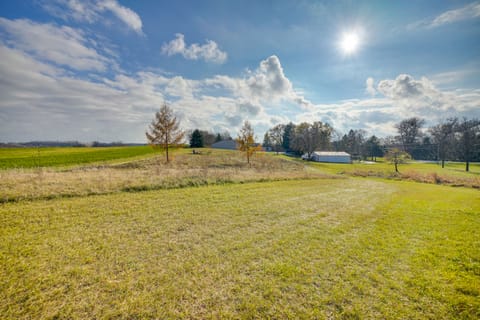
(225, 144)
(331, 153)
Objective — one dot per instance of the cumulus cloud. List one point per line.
(406, 87)
(396, 99)
(44, 99)
(61, 45)
(92, 11)
(208, 51)
(266, 84)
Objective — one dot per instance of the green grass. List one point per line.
(453, 174)
(346, 248)
(56, 157)
(382, 167)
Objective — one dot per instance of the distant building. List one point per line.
(225, 144)
(331, 156)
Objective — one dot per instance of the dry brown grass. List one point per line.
(210, 167)
(472, 181)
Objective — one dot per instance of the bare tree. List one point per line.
(443, 137)
(353, 142)
(397, 157)
(409, 131)
(164, 131)
(310, 137)
(468, 132)
(276, 137)
(246, 141)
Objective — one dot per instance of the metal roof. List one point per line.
(331, 153)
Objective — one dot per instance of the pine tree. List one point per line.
(196, 141)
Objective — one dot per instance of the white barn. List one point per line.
(331, 156)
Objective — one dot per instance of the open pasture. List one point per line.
(208, 236)
(428, 172)
(61, 157)
(344, 248)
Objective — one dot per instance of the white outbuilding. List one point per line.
(331, 156)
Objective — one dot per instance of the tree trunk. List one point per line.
(166, 145)
(443, 163)
(467, 165)
(396, 167)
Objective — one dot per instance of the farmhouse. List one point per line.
(330, 156)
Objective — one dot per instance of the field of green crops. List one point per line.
(135, 238)
(54, 157)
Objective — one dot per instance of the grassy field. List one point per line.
(151, 173)
(55, 157)
(351, 248)
(453, 174)
(209, 236)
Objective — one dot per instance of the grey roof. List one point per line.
(225, 144)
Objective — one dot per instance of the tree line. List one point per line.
(455, 139)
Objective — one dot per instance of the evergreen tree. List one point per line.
(196, 141)
(288, 133)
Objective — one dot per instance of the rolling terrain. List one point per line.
(211, 237)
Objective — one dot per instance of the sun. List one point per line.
(349, 43)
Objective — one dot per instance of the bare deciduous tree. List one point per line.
(310, 137)
(443, 137)
(409, 132)
(276, 137)
(164, 131)
(397, 157)
(468, 132)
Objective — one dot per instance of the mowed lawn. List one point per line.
(342, 248)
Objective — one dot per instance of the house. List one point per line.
(331, 156)
(225, 144)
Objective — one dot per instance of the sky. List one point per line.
(98, 70)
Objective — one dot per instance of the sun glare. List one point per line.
(349, 43)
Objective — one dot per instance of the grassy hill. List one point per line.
(209, 236)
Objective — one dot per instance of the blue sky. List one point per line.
(98, 70)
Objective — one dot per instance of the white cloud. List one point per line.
(61, 45)
(402, 97)
(406, 87)
(266, 85)
(370, 88)
(208, 51)
(128, 16)
(467, 12)
(92, 11)
(44, 100)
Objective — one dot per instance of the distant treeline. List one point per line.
(453, 139)
(74, 144)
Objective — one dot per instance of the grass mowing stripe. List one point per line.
(352, 248)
